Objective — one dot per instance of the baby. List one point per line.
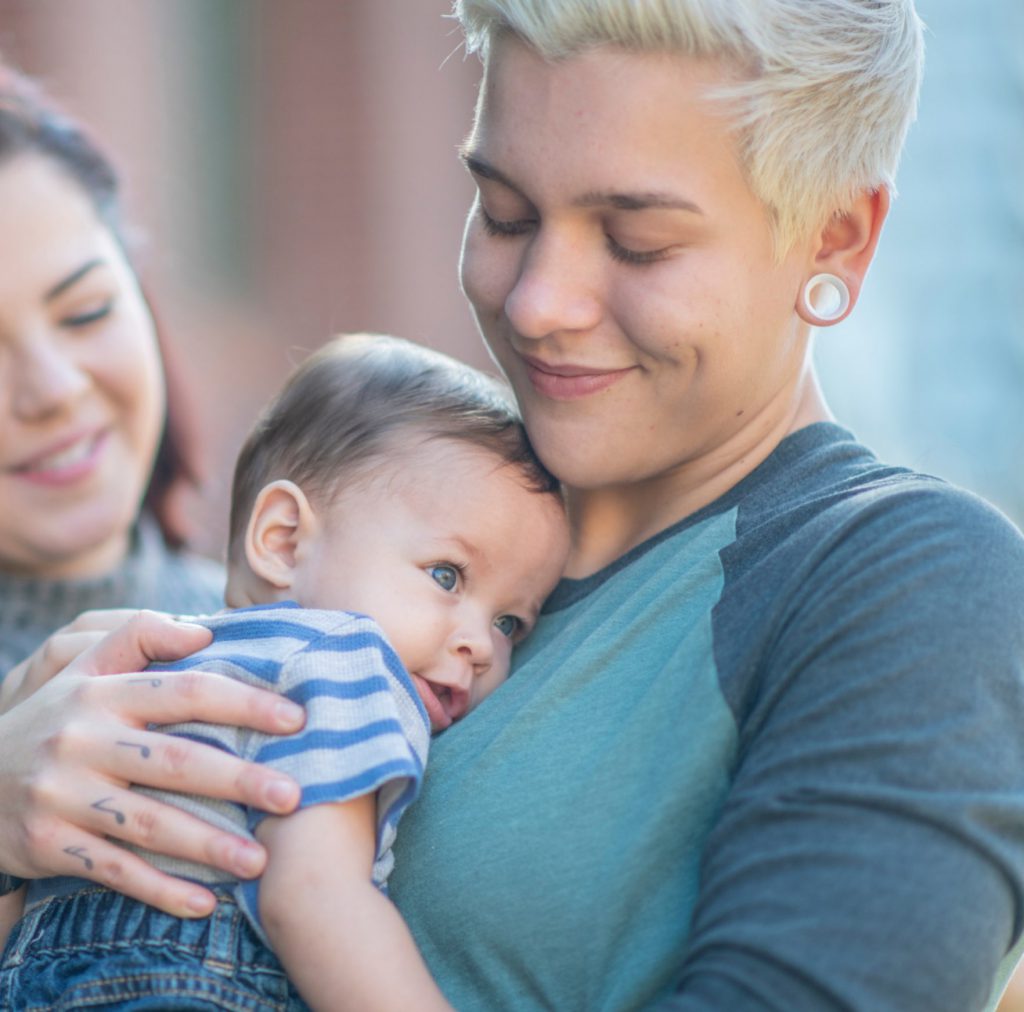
(386, 481)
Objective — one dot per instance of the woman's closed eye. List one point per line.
(88, 313)
(644, 237)
(506, 228)
(446, 575)
(630, 256)
(502, 227)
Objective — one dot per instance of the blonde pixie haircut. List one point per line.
(825, 89)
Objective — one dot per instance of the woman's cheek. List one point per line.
(135, 372)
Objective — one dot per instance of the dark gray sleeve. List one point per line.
(870, 854)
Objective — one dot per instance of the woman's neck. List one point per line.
(607, 522)
(93, 563)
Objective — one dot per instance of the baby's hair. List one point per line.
(355, 402)
(825, 92)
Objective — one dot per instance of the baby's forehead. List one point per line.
(458, 489)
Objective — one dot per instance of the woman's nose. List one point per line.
(553, 291)
(46, 380)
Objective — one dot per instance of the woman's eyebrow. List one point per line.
(74, 277)
(479, 167)
(637, 201)
(594, 198)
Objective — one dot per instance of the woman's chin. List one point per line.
(92, 552)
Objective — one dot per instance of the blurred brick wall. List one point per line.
(291, 167)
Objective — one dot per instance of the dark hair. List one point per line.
(31, 125)
(346, 406)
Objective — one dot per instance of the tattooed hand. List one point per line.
(69, 751)
(58, 651)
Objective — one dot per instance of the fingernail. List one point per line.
(281, 794)
(199, 903)
(289, 713)
(248, 861)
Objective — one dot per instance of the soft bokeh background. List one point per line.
(929, 369)
(291, 165)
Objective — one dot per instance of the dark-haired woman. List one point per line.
(92, 458)
(90, 455)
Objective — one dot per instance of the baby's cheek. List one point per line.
(498, 671)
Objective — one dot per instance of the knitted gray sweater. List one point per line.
(152, 576)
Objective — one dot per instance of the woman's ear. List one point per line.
(281, 520)
(845, 249)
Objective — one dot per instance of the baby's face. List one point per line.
(452, 556)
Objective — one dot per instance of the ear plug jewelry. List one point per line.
(825, 298)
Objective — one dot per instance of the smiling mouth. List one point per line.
(66, 464)
(570, 382)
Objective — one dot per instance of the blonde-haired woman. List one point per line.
(763, 750)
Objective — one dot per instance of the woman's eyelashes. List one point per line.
(520, 226)
(88, 314)
(498, 227)
(631, 256)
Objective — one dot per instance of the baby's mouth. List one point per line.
(436, 700)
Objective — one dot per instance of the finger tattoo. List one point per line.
(81, 854)
(155, 682)
(99, 806)
(143, 749)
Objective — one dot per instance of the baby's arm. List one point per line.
(342, 942)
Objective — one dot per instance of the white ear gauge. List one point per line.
(825, 298)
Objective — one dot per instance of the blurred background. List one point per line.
(929, 368)
(291, 170)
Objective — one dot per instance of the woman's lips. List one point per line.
(569, 382)
(66, 463)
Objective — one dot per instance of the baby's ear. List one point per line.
(281, 519)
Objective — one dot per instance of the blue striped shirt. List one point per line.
(366, 728)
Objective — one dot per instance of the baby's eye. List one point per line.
(508, 625)
(445, 576)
